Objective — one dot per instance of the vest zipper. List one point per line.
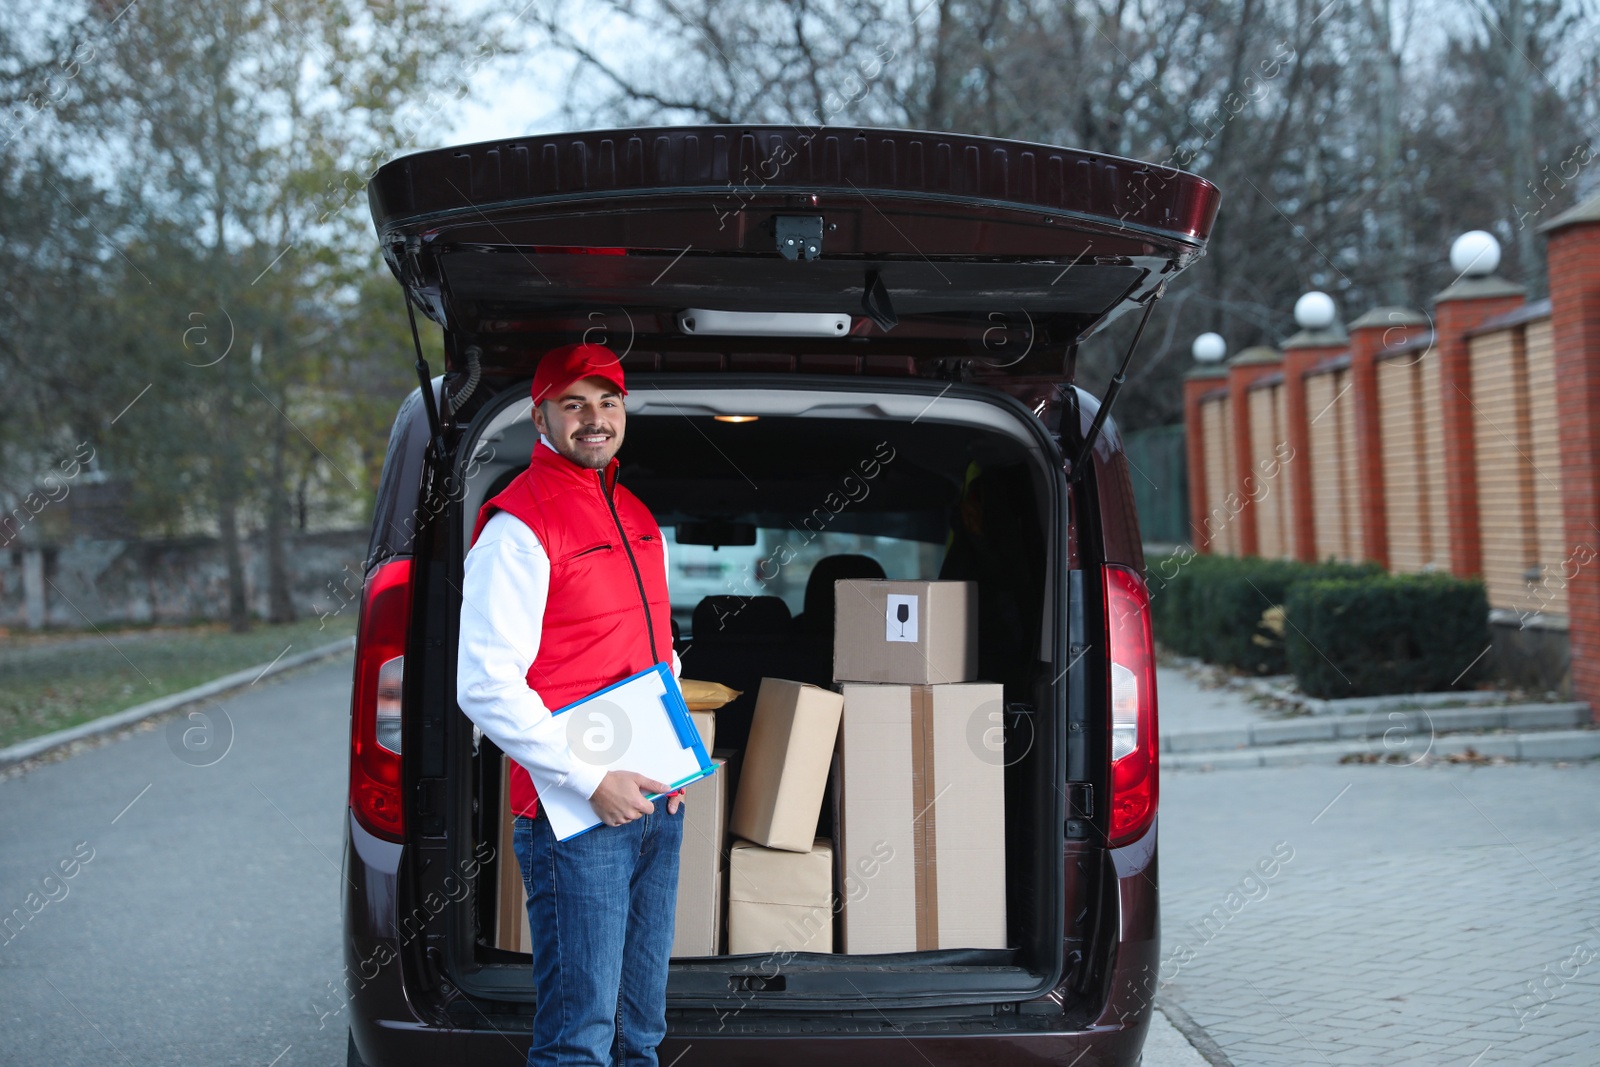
(650, 629)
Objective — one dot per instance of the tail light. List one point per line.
(375, 700)
(1134, 761)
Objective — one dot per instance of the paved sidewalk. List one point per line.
(1435, 913)
(1191, 699)
(1213, 720)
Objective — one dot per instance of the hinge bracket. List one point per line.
(798, 236)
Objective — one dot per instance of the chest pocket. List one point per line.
(591, 554)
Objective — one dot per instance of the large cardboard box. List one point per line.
(878, 807)
(701, 870)
(698, 922)
(905, 633)
(785, 769)
(778, 900)
(921, 772)
(511, 912)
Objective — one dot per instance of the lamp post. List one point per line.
(1209, 348)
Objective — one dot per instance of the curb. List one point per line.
(1193, 1032)
(1275, 690)
(1549, 745)
(1373, 724)
(38, 746)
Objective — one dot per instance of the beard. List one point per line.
(585, 457)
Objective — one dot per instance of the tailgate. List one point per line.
(921, 246)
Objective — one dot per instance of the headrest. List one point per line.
(819, 587)
(739, 616)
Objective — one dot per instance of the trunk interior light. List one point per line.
(703, 322)
(735, 418)
(1132, 685)
(375, 700)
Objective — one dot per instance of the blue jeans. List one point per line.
(601, 908)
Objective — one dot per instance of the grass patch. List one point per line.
(49, 682)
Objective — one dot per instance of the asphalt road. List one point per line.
(184, 883)
(185, 906)
(203, 929)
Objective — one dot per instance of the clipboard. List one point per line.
(638, 724)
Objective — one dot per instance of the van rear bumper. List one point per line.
(391, 1030)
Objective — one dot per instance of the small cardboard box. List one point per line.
(905, 633)
(698, 922)
(923, 782)
(778, 900)
(785, 768)
(705, 722)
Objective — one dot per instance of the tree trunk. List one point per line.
(1526, 197)
(228, 521)
(280, 605)
(1391, 243)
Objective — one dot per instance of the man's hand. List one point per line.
(621, 797)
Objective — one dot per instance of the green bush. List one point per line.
(1221, 608)
(1175, 583)
(1410, 633)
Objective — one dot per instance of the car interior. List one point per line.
(964, 478)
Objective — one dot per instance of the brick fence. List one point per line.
(1465, 442)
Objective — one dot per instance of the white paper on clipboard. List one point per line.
(638, 724)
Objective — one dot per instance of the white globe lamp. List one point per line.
(1475, 254)
(1315, 311)
(1209, 348)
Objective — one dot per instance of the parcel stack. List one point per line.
(922, 771)
(780, 873)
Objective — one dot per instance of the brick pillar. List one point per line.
(1457, 310)
(1574, 271)
(1300, 353)
(1373, 332)
(1197, 383)
(1243, 369)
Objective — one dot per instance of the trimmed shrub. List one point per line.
(1412, 633)
(1228, 610)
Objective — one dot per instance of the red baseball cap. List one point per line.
(562, 366)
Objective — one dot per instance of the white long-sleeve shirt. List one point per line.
(503, 596)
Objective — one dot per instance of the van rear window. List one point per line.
(781, 563)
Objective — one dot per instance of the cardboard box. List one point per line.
(778, 900)
(701, 869)
(698, 923)
(706, 723)
(963, 824)
(785, 767)
(511, 931)
(877, 804)
(920, 773)
(905, 633)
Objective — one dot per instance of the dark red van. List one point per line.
(789, 304)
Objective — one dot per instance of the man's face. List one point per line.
(584, 422)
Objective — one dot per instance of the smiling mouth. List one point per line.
(591, 438)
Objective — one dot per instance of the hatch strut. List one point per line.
(1080, 461)
(427, 382)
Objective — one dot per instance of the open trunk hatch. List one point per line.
(906, 246)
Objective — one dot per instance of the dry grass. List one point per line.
(52, 681)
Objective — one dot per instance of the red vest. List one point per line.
(606, 566)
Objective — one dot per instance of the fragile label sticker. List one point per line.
(900, 618)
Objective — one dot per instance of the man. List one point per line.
(565, 592)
